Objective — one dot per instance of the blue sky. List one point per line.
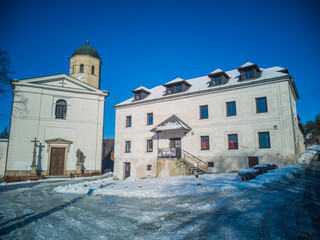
(152, 42)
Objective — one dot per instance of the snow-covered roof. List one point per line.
(141, 88)
(172, 123)
(247, 64)
(218, 70)
(175, 81)
(200, 84)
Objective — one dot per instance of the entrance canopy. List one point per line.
(172, 123)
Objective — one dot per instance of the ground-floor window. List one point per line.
(205, 143)
(210, 164)
(149, 167)
(264, 140)
(233, 141)
(128, 146)
(149, 145)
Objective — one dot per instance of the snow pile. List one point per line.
(309, 155)
(248, 170)
(185, 185)
(175, 186)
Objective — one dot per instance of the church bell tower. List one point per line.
(85, 65)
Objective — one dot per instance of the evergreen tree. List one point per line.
(313, 131)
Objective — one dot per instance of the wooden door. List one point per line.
(176, 143)
(57, 161)
(127, 170)
(253, 161)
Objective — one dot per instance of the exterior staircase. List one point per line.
(192, 163)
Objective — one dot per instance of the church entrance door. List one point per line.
(57, 161)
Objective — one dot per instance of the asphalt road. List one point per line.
(289, 209)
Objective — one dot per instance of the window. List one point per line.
(128, 121)
(204, 112)
(149, 145)
(61, 109)
(248, 74)
(128, 146)
(149, 167)
(233, 141)
(231, 109)
(92, 70)
(264, 140)
(171, 89)
(210, 164)
(175, 89)
(217, 80)
(81, 68)
(261, 104)
(205, 143)
(138, 96)
(150, 118)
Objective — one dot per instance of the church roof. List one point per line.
(86, 50)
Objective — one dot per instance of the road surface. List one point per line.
(287, 210)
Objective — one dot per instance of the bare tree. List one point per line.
(5, 72)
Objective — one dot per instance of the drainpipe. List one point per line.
(293, 126)
(157, 153)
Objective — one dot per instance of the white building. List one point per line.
(3, 155)
(63, 113)
(222, 122)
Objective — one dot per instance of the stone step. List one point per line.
(56, 176)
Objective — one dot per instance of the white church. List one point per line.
(57, 121)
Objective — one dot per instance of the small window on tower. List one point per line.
(81, 68)
(92, 70)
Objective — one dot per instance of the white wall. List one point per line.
(246, 124)
(3, 155)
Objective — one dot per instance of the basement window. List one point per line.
(210, 164)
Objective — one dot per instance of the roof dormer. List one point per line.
(140, 93)
(218, 77)
(177, 85)
(249, 71)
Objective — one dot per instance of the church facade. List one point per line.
(56, 117)
(222, 122)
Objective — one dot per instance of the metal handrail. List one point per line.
(194, 157)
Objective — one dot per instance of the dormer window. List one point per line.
(218, 77)
(140, 93)
(171, 89)
(176, 86)
(249, 71)
(138, 96)
(217, 80)
(248, 74)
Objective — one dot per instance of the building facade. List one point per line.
(222, 122)
(57, 121)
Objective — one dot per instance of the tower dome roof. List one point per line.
(86, 50)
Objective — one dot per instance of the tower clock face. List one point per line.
(81, 78)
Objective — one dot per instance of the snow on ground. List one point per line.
(185, 185)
